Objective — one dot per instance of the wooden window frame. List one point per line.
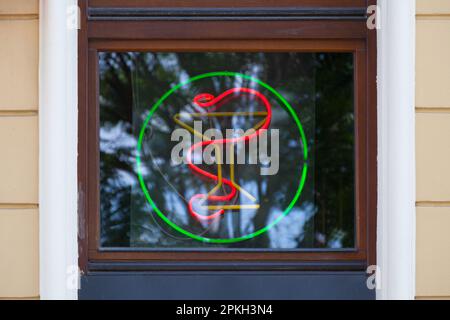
(320, 28)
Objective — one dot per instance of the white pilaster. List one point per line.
(396, 154)
(58, 151)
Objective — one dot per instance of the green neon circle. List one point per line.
(258, 232)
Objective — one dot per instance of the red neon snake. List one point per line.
(206, 100)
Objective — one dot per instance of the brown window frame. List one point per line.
(121, 25)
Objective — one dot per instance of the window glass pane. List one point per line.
(227, 150)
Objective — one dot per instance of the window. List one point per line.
(303, 199)
(237, 136)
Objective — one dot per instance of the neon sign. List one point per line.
(206, 100)
(222, 203)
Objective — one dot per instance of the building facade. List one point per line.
(28, 267)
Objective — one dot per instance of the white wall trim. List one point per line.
(58, 151)
(396, 149)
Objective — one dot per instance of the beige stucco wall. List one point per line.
(19, 208)
(433, 148)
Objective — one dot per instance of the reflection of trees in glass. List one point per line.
(334, 152)
(116, 103)
(131, 82)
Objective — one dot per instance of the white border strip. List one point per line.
(58, 152)
(396, 149)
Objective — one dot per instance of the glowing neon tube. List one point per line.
(206, 100)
